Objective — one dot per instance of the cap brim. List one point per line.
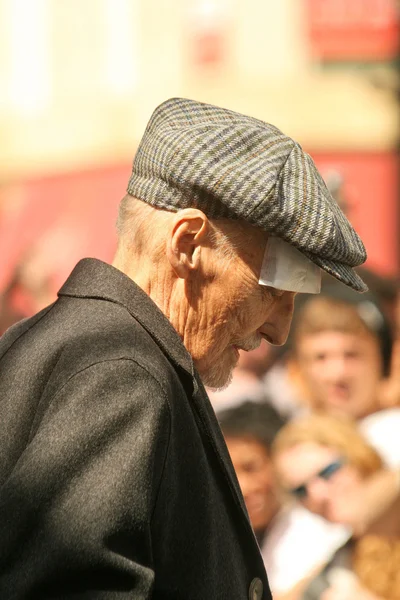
(340, 271)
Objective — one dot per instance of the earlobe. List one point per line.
(187, 235)
(177, 260)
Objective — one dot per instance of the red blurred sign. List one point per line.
(62, 218)
(369, 189)
(353, 29)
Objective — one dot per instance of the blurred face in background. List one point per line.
(341, 371)
(316, 476)
(254, 471)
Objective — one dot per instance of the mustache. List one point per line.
(249, 343)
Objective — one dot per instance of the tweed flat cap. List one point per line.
(232, 166)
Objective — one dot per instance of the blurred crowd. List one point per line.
(313, 432)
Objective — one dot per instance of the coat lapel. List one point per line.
(93, 278)
(213, 432)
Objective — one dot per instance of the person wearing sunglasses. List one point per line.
(324, 463)
(249, 429)
(325, 474)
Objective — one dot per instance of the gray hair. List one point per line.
(138, 221)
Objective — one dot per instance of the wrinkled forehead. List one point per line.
(286, 268)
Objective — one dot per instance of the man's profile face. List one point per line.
(234, 311)
(256, 479)
(342, 371)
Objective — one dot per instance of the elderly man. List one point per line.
(115, 479)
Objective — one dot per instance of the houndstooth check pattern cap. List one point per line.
(232, 166)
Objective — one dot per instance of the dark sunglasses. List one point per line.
(300, 492)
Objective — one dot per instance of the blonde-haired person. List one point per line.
(341, 349)
(343, 362)
(324, 463)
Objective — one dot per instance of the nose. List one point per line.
(317, 493)
(335, 368)
(276, 329)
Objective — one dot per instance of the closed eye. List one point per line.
(274, 292)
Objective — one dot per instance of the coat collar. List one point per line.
(92, 278)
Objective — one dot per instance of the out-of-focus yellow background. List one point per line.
(79, 80)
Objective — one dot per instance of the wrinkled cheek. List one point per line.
(247, 321)
(211, 352)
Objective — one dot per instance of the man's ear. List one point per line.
(187, 234)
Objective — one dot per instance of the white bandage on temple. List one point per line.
(286, 268)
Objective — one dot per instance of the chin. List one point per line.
(216, 373)
(217, 386)
(217, 377)
(259, 524)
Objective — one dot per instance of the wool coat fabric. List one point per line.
(115, 481)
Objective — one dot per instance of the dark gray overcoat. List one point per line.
(115, 481)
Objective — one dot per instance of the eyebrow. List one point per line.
(275, 292)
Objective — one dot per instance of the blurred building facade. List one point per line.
(79, 81)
